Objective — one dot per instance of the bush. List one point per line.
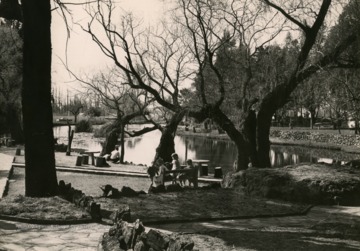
(83, 126)
(102, 131)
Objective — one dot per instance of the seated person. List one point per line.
(115, 155)
(175, 165)
(157, 184)
(158, 178)
(187, 176)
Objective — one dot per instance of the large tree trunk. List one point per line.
(241, 141)
(111, 139)
(249, 131)
(166, 145)
(263, 135)
(40, 172)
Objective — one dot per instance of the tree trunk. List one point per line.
(122, 143)
(250, 133)
(40, 172)
(166, 145)
(263, 141)
(111, 138)
(70, 139)
(356, 129)
(313, 117)
(241, 141)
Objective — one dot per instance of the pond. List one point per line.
(141, 150)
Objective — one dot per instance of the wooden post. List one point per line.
(18, 151)
(85, 159)
(218, 172)
(196, 176)
(70, 139)
(78, 160)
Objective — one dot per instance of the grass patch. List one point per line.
(52, 208)
(199, 204)
(305, 183)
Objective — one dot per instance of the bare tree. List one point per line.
(153, 61)
(160, 60)
(112, 91)
(249, 24)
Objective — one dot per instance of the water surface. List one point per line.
(141, 150)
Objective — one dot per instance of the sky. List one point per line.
(82, 54)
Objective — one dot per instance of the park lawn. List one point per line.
(199, 204)
(187, 205)
(52, 209)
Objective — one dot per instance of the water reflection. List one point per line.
(219, 152)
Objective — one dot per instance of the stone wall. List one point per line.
(67, 192)
(317, 137)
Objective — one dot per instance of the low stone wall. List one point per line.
(317, 137)
(67, 192)
(124, 235)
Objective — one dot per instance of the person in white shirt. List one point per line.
(175, 166)
(158, 179)
(115, 155)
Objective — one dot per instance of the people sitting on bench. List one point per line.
(157, 173)
(189, 176)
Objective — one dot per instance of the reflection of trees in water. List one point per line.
(280, 158)
(307, 154)
(219, 152)
(223, 153)
(131, 143)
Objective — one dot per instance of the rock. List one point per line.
(138, 230)
(140, 246)
(86, 201)
(110, 243)
(128, 192)
(231, 180)
(112, 231)
(157, 240)
(180, 243)
(94, 210)
(110, 192)
(126, 234)
(77, 197)
(122, 213)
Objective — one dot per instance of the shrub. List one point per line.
(102, 131)
(83, 126)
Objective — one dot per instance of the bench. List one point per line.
(189, 172)
(91, 155)
(202, 165)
